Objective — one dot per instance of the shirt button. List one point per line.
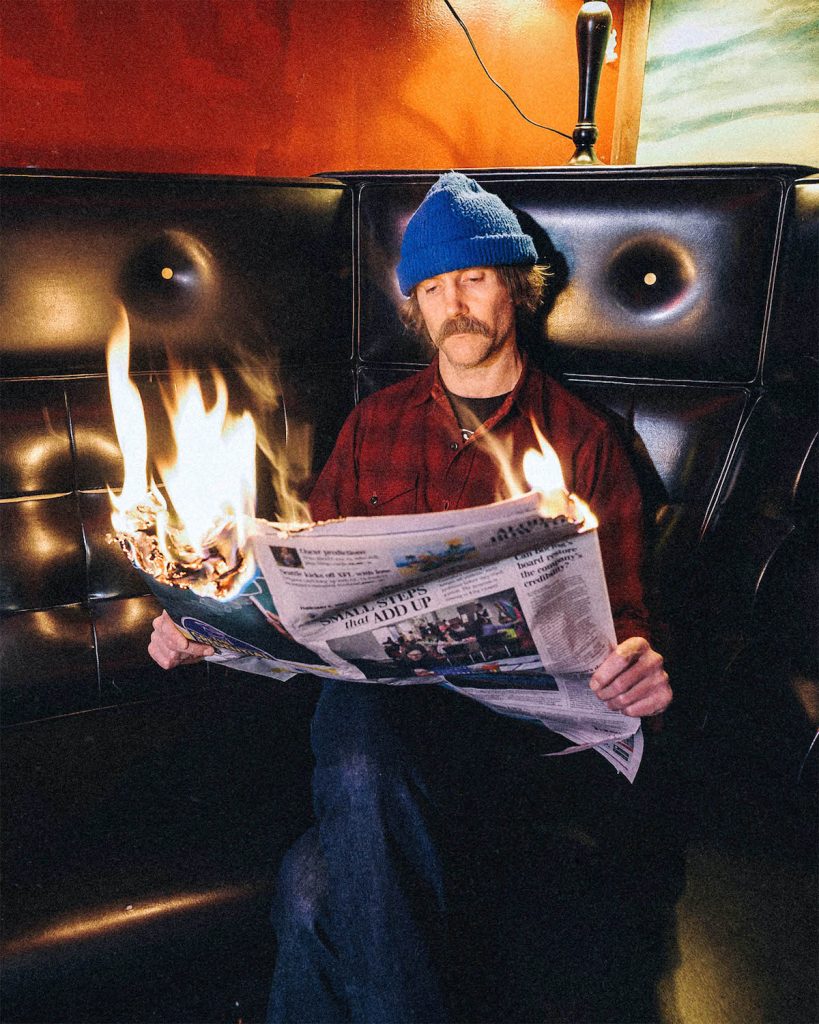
(374, 499)
(454, 446)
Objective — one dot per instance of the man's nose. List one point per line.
(454, 299)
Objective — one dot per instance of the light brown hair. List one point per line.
(527, 287)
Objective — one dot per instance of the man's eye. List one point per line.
(430, 288)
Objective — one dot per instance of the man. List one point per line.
(364, 895)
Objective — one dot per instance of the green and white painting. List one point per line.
(731, 80)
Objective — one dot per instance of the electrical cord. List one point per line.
(545, 127)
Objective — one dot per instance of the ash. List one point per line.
(218, 569)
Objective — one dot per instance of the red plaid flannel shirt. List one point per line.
(401, 450)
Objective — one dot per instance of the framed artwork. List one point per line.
(731, 82)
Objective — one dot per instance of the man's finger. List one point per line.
(621, 658)
(633, 680)
(651, 688)
(649, 665)
(170, 648)
(176, 640)
(654, 704)
(171, 635)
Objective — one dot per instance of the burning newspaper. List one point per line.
(500, 603)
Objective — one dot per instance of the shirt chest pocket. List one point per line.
(387, 490)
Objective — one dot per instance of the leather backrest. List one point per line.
(656, 275)
(218, 273)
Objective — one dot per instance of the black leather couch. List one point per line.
(145, 812)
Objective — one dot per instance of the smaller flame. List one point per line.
(543, 473)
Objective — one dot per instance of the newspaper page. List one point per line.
(501, 604)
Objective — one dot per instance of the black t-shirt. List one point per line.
(471, 412)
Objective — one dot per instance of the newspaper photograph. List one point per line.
(500, 603)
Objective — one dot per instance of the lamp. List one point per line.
(592, 30)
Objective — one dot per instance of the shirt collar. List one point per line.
(429, 387)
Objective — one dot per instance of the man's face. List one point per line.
(469, 315)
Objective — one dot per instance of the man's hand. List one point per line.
(632, 679)
(170, 649)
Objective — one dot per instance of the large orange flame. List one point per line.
(212, 479)
(200, 541)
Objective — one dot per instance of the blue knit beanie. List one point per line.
(460, 225)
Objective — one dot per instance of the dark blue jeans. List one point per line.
(408, 782)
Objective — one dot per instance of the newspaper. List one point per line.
(500, 603)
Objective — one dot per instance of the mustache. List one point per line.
(461, 325)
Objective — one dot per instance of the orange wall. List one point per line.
(289, 87)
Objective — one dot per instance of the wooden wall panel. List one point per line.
(289, 87)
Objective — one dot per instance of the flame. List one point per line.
(289, 459)
(129, 418)
(213, 477)
(288, 467)
(200, 541)
(542, 472)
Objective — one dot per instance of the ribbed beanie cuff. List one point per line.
(460, 225)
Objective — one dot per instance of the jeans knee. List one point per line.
(301, 889)
(366, 782)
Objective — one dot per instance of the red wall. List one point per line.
(288, 87)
